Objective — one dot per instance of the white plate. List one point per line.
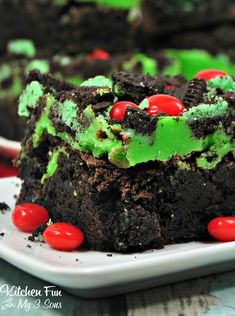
(95, 274)
(9, 147)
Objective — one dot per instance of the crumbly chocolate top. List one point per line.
(80, 117)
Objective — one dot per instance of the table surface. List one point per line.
(210, 296)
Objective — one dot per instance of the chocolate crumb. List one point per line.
(109, 255)
(2, 234)
(28, 246)
(4, 207)
(77, 259)
(37, 234)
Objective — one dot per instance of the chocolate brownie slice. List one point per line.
(172, 16)
(136, 183)
(70, 26)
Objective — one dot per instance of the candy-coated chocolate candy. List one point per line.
(222, 228)
(28, 216)
(209, 74)
(119, 109)
(170, 86)
(164, 103)
(98, 54)
(63, 236)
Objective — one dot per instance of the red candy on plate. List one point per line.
(164, 103)
(99, 54)
(63, 236)
(119, 109)
(222, 228)
(28, 216)
(209, 74)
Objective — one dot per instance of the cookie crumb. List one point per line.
(2, 234)
(4, 207)
(109, 255)
(28, 246)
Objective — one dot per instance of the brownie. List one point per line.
(134, 183)
(208, 25)
(172, 16)
(69, 25)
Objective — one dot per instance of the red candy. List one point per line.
(28, 216)
(164, 103)
(209, 74)
(170, 86)
(119, 109)
(98, 54)
(63, 236)
(222, 228)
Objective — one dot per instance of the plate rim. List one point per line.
(137, 270)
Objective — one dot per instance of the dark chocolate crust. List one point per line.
(144, 207)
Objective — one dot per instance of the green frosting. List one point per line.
(220, 145)
(98, 81)
(149, 65)
(22, 47)
(60, 2)
(95, 133)
(75, 80)
(30, 97)
(119, 4)
(190, 62)
(68, 112)
(224, 83)
(53, 163)
(207, 110)
(100, 138)
(10, 72)
(44, 124)
(185, 62)
(40, 64)
(5, 72)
